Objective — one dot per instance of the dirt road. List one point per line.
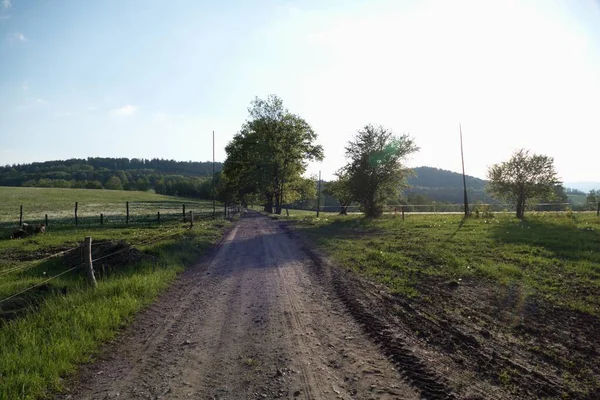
(252, 321)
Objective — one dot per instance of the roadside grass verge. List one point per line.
(555, 257)
(66, 322)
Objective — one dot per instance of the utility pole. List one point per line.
(214, 191)
(319, 196)
(463, 171)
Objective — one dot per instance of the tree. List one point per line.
(340, 189)
(142, 185)
(375, 170)
(93, 185)
(113, 183)
(269, 154)
(522, 178)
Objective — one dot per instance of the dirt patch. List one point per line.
(475, 339)
(14, 255)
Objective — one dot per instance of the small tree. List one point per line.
(340, 189)
(113, 183)
(375, 169)
(522, 178)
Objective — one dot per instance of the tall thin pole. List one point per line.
(214, 192)
(319, 196)
(463, 171)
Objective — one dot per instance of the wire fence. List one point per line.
(229, 210)
(445, 208)
(114, 215)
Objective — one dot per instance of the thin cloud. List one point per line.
(17, 37)
(124, 111)
(6, 3)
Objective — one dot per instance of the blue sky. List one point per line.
(143, 78)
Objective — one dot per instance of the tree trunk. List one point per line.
(343, 210)
(269, 204)
(277, 204)
(520, 208)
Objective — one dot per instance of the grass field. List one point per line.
(59, 205)
(48, 330)
(554, 257)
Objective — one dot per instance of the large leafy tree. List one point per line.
(375, 169)
(524, 177)
(270, 153)
(340, 189)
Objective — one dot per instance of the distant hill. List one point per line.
(184, 178)
(435, 177)
(446, 186)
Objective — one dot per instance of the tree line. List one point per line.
(183, 178)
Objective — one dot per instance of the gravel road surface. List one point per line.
(251, 321)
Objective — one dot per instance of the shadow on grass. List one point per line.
(564, 238)
(460, 225)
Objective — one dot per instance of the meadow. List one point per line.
(550, 256)
(51, 320)
(59, 205)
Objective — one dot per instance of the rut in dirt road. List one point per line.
(253, 321)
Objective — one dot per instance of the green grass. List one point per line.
(555, 257)
(60, 203)
(45, 334)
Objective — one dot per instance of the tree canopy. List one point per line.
(269, 155)
(524, 177)
(375, 167)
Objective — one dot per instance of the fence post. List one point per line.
(598, 210)
(158, 216)
(191, 219)
(46, 220)
(76, 220)
(402, 209)
(21, 216)
(183, 213)
(101, 219)
(87, 248)
(127, 217)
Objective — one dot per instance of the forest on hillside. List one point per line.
(184, 178)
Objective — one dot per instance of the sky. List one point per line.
(145, 78)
